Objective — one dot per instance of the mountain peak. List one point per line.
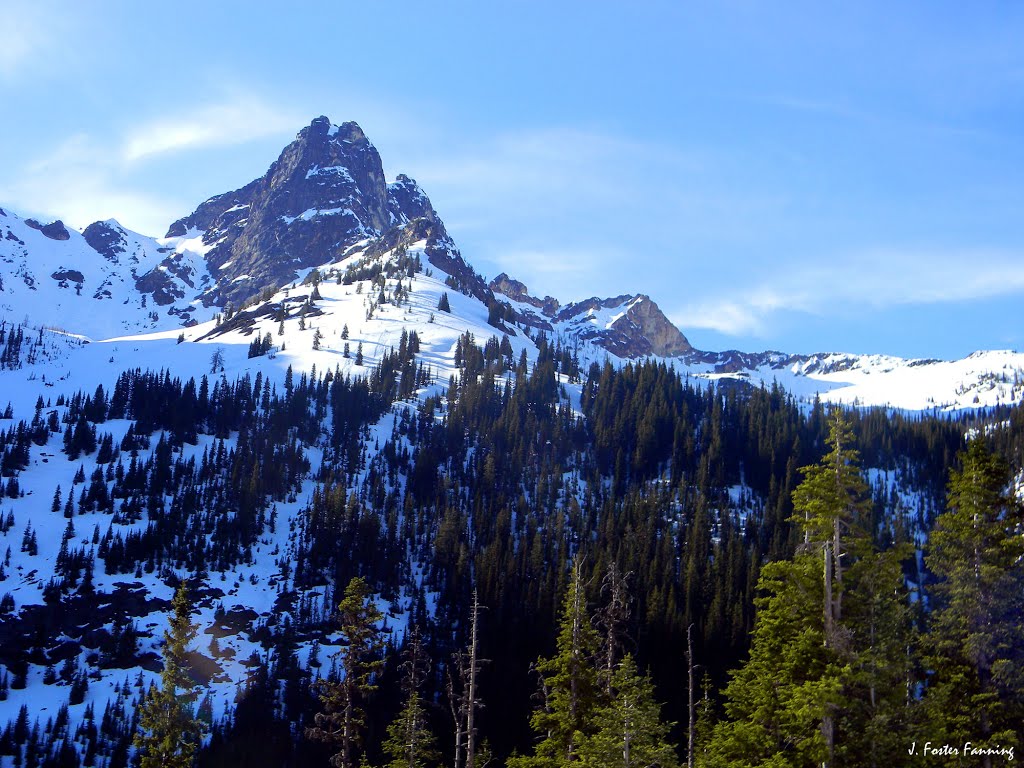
(407, 201)
(322, 128)
(324, 193)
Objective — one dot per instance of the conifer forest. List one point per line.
(662, 574)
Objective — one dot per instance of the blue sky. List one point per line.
(803, 176)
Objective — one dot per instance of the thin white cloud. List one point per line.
(546, 175)
(870, 280)
(80, 183)
(31, 30)
(215, 125)
(84, 179)
(555, 262)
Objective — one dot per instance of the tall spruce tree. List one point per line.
(775, 703)
(629, 731)
(975, 648)
(410, 743)
(833, 639)
(828, 505)
(342, 721)
(570, 685)
(169, 732)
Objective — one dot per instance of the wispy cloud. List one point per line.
(555, 262)
(214, 125)
(560, 207)
(530, 167)
(871, 280)
(31, 32)
(81, 182)
(85, 179)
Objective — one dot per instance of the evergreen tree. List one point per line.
(442, 304)
(409, 743)
(828, 505)
(826, 682)
(168, 730)
(976, 645)
(776, 701)
(342, 721)
(629, 732)
(570, 684)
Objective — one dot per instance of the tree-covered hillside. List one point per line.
(595, 518)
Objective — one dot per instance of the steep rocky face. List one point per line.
(324, 194)
(106, 239)
(55, 230)
(627, 326)
(517, 291)
(218, 214)
(406, 201)
(657, 331)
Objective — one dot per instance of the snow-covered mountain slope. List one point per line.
(325, 201)
(337, 324)
(101, 282)
(981, 380)
(627, 327)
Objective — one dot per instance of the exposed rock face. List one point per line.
(657, 331)
(323, 194)
(326, 195)
(55, 230)
(518, 291)
(218, 213)
(406, 201)
(627, 326)
(106, 239)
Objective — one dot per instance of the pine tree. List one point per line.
(775, 703)
(976, 644)
(828, 505)
(629, 730)
(409, 743)
(343, 720)
(570, 684)
(216, 361)
(442, 304)
(168, 730)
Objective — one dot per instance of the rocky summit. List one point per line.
(325, 193)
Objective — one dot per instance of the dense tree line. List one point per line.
(503, 490)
